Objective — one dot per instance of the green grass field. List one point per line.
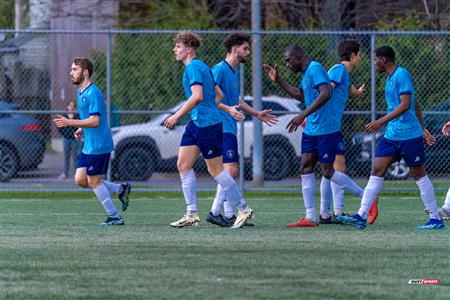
(52, 248)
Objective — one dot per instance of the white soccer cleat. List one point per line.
(187, 220)
(242, 217)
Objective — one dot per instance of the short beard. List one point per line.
(79, 80)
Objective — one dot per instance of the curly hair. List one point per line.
(236, 39)
(189, 39)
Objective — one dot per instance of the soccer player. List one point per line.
(203, 134)
(444, 211)
(93, 161)
(226, 76)
(403, 139)
(322, 131)
(350, 56)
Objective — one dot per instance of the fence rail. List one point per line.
(142, 85)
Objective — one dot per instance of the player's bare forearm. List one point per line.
(91, 122)
(187, 107)
(405, 102)
(219, 94)
(247, 108)
(320, 101)
(291, 90)
(419, 114)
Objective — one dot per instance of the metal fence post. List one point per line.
(373, 92)
(241, 130)
(258, 151)
(108, 91)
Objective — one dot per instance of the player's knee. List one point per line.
(82, 182)
(234, 172)
(306, 169)
(214, 170)
(183, 167)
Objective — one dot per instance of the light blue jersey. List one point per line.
(206, 113)
(228, 81)
(97, 140)
(406, 126)
(340, 77)
(324, 120)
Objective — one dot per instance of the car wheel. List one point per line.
(278, 161)
(136, 164)
(8, 163)
(398, 170)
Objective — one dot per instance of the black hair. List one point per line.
(346, 48)
(386, 52)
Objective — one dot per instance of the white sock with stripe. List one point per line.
(347, 183)
(446, 205)
(218, 201)
(338, 199)
(231, 190)
(325, 197)
(104, 196)
(112, 187)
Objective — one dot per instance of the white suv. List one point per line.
(141, 149)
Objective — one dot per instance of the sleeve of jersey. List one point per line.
(94, 103)
(319, 77)
(335, 76)
(405, 85)
(194, 75)
(218, 76)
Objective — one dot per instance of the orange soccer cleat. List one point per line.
(373, 212)
(303, 222)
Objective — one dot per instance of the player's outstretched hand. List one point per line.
(429, 139)
(272, 72)
(171, 121)
(446, 129)
(233, 111)
(372, 126)
(267, 118)
(61, 121)
(294, 123)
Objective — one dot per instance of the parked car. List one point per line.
(142, 149)
(22, 144)
(359, 152)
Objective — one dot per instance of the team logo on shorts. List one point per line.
(341, 146)
(230, 153)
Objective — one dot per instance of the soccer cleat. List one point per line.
(187, 220)
(444, 214)
(373, 212)
(233, 219)
(325, 220)
(354, 220)
(242, 217)
(432, 224)
(335, 219)
(303, 222)
(124, 195)
(113, 221)
(217, 220)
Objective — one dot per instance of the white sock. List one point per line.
(446, 205)
(104, 197)
(228, 209)
(189, 187)
(338, 199)
(231, 190)
(372, 189)
(218, 201)
(325, 197)
(112, 187)
(428, 197)
(309, 194)
(347, 183)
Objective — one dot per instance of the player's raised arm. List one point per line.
(293, 91)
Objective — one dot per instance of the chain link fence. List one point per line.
(141, 81)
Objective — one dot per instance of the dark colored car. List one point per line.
(359, 153)
(21, 142)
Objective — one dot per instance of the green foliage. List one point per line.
(7, 14)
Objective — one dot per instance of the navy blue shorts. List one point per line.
(230, 148)
(325, 145)
(209, 139)
(95, 164)
(412, 151)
